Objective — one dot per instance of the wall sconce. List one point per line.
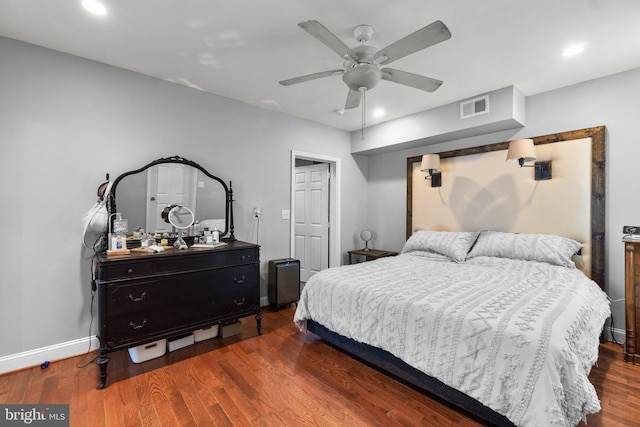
(431, 165)
(522, 151)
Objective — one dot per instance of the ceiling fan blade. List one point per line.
(353, 99)
(313, 76)
(329, 39)
(433, 33)
(409, 79)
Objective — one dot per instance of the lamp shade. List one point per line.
(521, 149)
(430, 163)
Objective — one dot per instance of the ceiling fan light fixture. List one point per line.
(364, 76)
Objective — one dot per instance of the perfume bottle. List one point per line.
(118, 239)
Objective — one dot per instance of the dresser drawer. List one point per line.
(139, 296)
(125, 270)
(204, 260)
(244, 256)
(142, 295)
(240, 301)
(227, 306)
(234, 278)
(157, 264)
(238, 297)
(142, 325)
(236, 290)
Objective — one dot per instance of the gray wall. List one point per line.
(611, 101)
(66, 121)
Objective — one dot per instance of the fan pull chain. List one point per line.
(363, 91)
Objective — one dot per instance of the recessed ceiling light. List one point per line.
(378, 112)
(573, 50)
(94, 6)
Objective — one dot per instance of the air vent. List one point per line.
(474, 107)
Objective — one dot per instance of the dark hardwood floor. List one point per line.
(282, 378)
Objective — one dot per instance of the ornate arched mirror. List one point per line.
(143, 194)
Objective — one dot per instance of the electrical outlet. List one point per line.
(286, 214)
(256, 212)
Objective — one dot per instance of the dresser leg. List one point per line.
(102, 363)
(259, 322)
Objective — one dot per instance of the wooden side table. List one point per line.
(371, 254)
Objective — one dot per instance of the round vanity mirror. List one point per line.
(180, 217)
(366, 235)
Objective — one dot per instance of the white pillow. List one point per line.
(454, 244)
(528, 247)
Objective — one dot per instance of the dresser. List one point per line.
(632, 300)
(144, 297)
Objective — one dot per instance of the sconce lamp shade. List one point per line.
(430, 163)
(521, 151)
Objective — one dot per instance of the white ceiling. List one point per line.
(241, 49)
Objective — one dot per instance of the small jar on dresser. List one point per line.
(632, 300)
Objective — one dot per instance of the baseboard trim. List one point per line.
(27, 359)
(618, 334)
(36, 357)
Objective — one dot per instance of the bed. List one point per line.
(504, 322)
(499, 324)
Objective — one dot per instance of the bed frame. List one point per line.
(399, 370)
(396, 368)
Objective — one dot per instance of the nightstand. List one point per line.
(370, 255)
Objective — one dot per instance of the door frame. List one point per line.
(335, 246)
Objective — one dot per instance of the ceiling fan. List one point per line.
(362, 64)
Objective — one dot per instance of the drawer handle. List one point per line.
(138, 299)
(239, 303)
(130, 271)
(240, 280)
(134, 326)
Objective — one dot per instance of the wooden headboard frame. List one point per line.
(597, 135)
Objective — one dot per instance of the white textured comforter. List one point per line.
(518, 336)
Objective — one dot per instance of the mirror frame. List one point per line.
(229, 228)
